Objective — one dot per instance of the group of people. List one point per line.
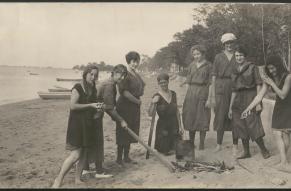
(88, 103)
(232, 85)
(228, 85)
(235, 87)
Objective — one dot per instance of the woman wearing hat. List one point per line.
(196, 115)
(221, 80)
(168, 127)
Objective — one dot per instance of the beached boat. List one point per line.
(31, 73)
(68, 79)
(54, 95)
(58, 90)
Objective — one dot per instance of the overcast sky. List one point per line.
(67, 34)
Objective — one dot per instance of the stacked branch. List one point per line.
(217, 167)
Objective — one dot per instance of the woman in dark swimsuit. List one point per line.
(81, 131)
(279, 79)
(168, 125)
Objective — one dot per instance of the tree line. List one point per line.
(263, 29)
(102, 66)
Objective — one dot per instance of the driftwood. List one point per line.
(196, 166)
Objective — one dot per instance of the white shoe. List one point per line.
(88, 172)
(103, 175)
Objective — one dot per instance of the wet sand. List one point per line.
(32, 147)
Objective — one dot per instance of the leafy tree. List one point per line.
(262, 28)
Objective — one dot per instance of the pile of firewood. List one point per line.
(217, 167)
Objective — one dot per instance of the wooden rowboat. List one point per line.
(68, 79)
(54, 95)
(33, 74)
(58, 90)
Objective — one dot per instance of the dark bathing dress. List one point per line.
(167, 128)
(81, 128)
(281, 119)
(196, 117)
(107, 95)
(128, 110)
(222, 69)
(245, 85)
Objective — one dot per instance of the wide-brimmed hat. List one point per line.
(227, 37)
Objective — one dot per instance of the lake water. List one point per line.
(17, 84)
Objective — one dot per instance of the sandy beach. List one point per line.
(32, 147)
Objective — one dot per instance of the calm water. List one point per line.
(17, 84)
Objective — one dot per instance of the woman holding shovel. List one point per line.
(168, 125)
(128, 106)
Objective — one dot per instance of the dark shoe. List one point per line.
(129, 160)
(120, 163)
(244, 156)
(266, 154)
(170, 153)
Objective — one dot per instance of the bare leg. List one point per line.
(80, 167)
(281, 147)
(67, 165)
(286, 139)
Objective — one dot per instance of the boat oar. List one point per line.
(151, 130)
(161, 159)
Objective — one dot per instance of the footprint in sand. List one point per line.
(137, 182)
(10, 177)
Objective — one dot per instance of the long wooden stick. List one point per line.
(151, 130)
(161, 159)
(263, 38)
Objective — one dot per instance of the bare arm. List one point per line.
(282, 93)
(153, 105)
(213, 90)
(181, 129)
(256, 100)
(183, 83)
(130, 97)
(233, 95)
(74, 105)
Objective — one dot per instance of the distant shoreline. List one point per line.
(40, 67)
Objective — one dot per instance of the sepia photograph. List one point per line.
(107, 95)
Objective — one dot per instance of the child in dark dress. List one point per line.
(168, 125)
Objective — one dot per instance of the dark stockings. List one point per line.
(263, 148)
(246, 146)
(202, 138)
